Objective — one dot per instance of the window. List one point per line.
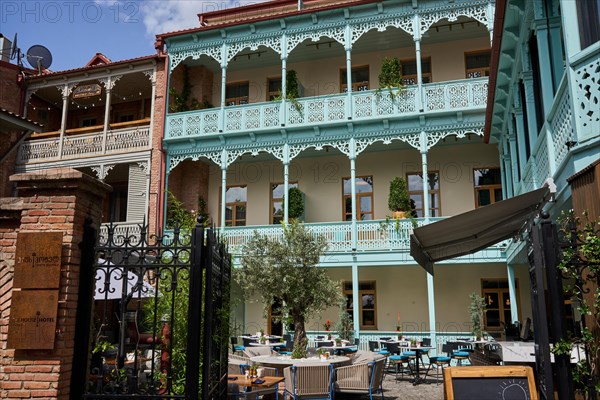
(588, 13)
(367, 302)
(277, 190)
(477, 64)
(86, 121)
(360, 79)
(409, 71)
(488, 186)
(415, 191)
(497, 301)
(125, 117)
(236, 93)
(364, 198)
(273, 88)
(235, 206)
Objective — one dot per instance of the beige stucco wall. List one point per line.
(322, 76)
(403, 289)
(320, 178)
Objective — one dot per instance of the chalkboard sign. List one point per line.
(490, 383)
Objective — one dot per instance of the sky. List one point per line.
(74, 31)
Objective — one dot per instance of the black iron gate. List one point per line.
(147, 336)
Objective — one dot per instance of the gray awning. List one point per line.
(475, 230)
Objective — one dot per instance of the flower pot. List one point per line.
(399, 214)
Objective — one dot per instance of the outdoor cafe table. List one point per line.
(281, 362)
(267, 337)
(419, 350)
(270, 344)
(339, 349)
(242, 380)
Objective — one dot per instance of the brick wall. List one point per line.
(157, 167)
(200, 78)
(10, 99)
(10, 88)
(188, 181)
(51, 200)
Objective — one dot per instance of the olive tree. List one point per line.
(287, 269)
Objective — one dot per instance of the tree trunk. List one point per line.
(300, 333)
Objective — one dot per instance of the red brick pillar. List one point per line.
(50, 200)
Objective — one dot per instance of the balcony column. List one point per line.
(514, 160)
(223, 189)
(354, 233)
(531, 122)
(152, 76)
(490, 20)
(423, 145)
(283, 111)
(431, 306)
(286, 183)
(417, 39)
(508, 181)
(545, 64)
(520, 133)
(556, 50)
(108, 87)
(66, 91)
(502, 171)
(224, 50)
(348, 47)
(512, 293)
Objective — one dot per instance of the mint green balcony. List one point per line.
(466, 95)
(379, 242)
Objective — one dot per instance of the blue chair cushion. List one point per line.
(410, 353)
(286, 353)
(384, 352)
(467, 350)
(460, 354)
(398, 358)
(439, 359)
(239, 348)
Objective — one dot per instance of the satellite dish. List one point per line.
(39, 57)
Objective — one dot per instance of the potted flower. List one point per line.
(338, 342)
(327, 325)
(398, 199)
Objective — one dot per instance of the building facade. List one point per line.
(544, 112)
(241, 141)
(104, 119)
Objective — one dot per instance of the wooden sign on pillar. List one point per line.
(37, 260)
(34, 303)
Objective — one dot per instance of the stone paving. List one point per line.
(402, 389)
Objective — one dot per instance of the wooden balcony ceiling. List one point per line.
(126, 89)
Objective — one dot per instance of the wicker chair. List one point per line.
(308, 382)
(360, 378)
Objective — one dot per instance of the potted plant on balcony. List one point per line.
(390, 77)
(293, 90)
(296, 203)
(398, 199)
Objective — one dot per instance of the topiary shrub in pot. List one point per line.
(296, 203)
(398, 199)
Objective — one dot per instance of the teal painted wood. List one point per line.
(379, 242)
(222, 45)
(467, 95)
